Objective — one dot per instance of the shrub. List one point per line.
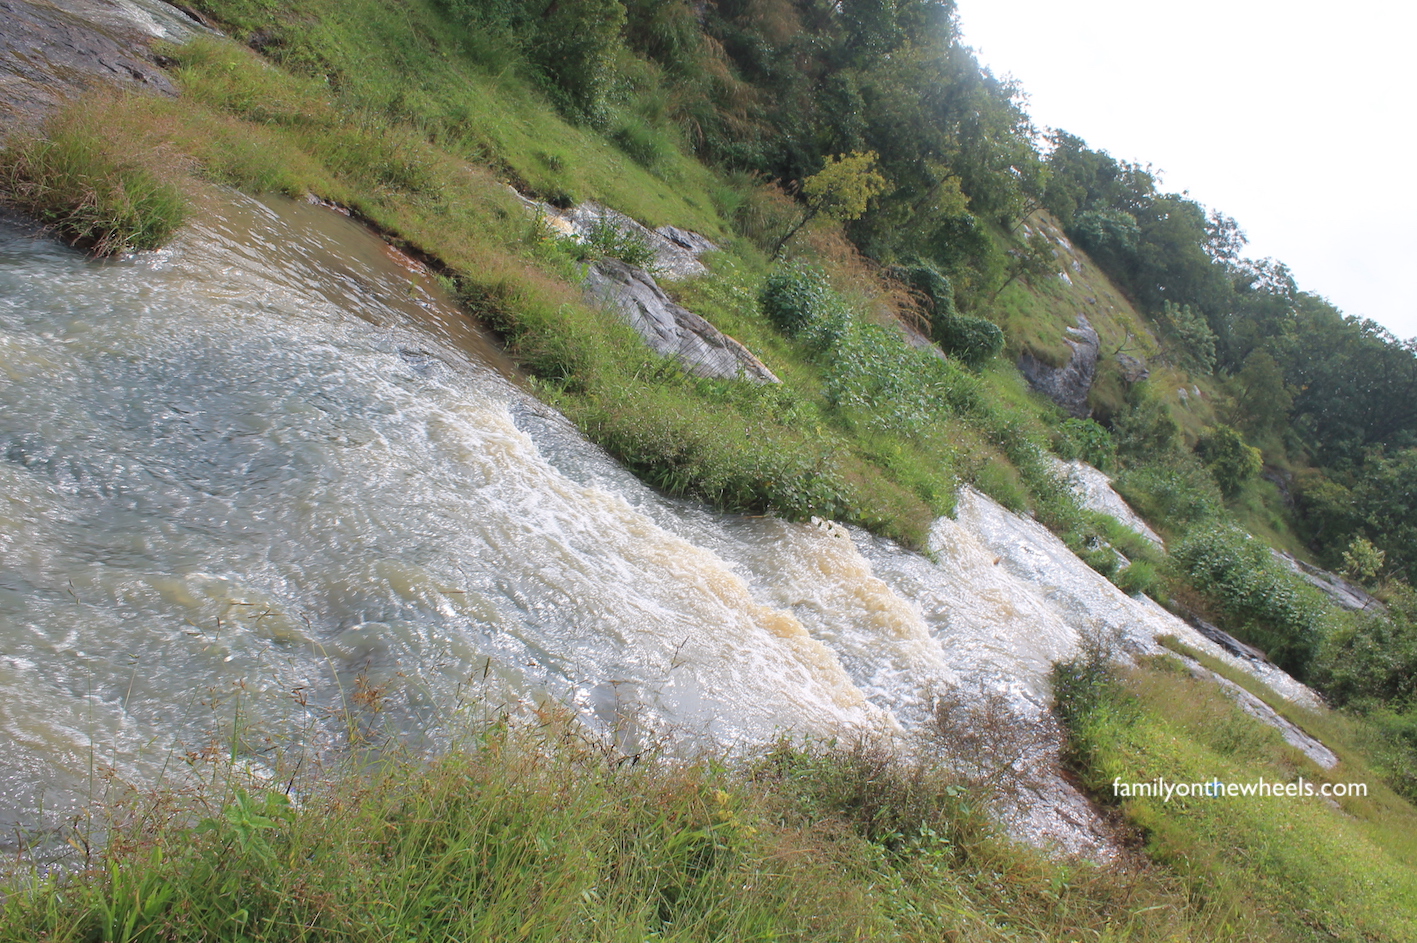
(975, 341)
(1192, 335)
(1370, 656)
(1174, 493)
(1146, 429)
(1274, 607)
(800, 302)
(887, 385)
(1141, 578)
(931, 284)
(1229, 458)
(607, 240)
(1088, 440)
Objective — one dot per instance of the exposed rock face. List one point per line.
(1069, 384)
(1292, 733)
(1228, 642)
(1134, 369)
(669, 329)
(51, 50)
(676, 251)
(1094, 491)
(1338, 589)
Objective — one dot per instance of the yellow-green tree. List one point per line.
(843, 189)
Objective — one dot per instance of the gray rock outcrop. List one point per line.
(676, 251)
(52, 50)
(1344, 594)
(670, 329)
(1293, 734)
(1134, 369)
(1069, 384)
(1093, 490)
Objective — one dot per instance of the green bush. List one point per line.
(1088, 440)
(1192, 336)
(647, 146)
(799, 302)
(885, 384)
(1371, 657)
(1141, 578)
(1175, 492)
(1229, 458)
(1145, 429)
(975, 341)
(1274, 608)
(607, 240)
(972, 340)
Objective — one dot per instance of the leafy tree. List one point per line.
(1362, 561)
(1356, 384)
(1034, 258)
(1385, 499)
(840, 190)
(1261, 398)
(1193, 336)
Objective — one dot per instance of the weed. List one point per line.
(96, 198)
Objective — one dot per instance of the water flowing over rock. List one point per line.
(270, 465)
(1094, 491)
(669, 329)
(1069, 384)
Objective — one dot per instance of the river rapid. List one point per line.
(270, 478)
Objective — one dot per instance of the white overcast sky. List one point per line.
(1296, 118)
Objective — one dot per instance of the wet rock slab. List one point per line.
(52, 50)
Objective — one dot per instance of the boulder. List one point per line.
(669, 329)
(676, 251)
(1069, 384)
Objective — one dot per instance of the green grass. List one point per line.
(545, 834)
(409, 63)
(393, 113)
(92, 197)
(1283, 869)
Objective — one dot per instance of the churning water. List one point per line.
(271, 468)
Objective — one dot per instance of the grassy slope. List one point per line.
(540, 835)
(1300, 868)
(379, 109)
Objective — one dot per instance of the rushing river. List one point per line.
(271, 472)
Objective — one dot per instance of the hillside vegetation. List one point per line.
(871, 187)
